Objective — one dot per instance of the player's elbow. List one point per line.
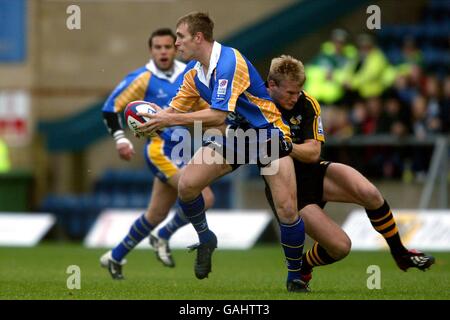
(315, 155)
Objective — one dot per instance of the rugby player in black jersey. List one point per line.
(320, 181)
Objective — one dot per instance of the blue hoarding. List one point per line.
(13, 33)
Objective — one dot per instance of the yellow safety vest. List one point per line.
(4, 157)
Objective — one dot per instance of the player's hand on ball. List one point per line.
(156, 107)
(133, 116)
(125, 149)
(156, 122)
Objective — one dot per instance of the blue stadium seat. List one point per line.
(394, 55)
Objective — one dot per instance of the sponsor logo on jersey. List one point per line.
(296, 120)
(319, 125)
(222, 89)
(161, 94)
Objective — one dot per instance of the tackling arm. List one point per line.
(308, 151)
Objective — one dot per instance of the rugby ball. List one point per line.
(131, 117)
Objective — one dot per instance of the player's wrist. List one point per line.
(119, 137)
(286, 147)
(122, 141)
(119, 134)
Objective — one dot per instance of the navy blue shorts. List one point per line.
(239, 147)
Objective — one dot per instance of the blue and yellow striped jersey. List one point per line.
(232, 84)
(146, 83)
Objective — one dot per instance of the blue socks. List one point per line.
(292, 239)
(140, 229)
(195, 213)
(178, 221)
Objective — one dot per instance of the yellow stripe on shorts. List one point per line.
(155, 151)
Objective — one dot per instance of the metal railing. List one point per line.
(438, 171)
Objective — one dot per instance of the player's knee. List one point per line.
(287, 212)
(370, 196)
(341, 248)
(187, 189)
(345, 246)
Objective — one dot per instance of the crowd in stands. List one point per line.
(364, 90)
(361, 92)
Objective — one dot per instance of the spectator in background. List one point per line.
(375, 97)
(325, 76)
(434, 109)
(445, 106)
(411, 55)
(5, 165)
(338, 124)
(405, 91)
(417, 78)
(326, 73)
(419, 117)
(393, 121)
(421, 128)
(376, 156)
(394, 118)
(358, 116)
(370, 74)
(374, 110)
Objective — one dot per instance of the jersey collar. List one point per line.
(215, 55)
(178, 68)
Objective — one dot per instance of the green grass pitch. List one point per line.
(40, 273)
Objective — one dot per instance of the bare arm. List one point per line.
(169, 117)
(208, 117)
(308, 151)
(222, 127)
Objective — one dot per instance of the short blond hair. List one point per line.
(287, 67)
(198, 22)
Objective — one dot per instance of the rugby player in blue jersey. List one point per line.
(157, 82)
(228, 82)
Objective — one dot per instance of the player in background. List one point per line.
(228, 82)
(157, 82)
(320, 181)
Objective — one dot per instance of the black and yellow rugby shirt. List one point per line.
(304, 119)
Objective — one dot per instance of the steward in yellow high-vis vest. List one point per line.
(5, 165)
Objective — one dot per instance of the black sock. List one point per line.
(384, 223)
(316, 256)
